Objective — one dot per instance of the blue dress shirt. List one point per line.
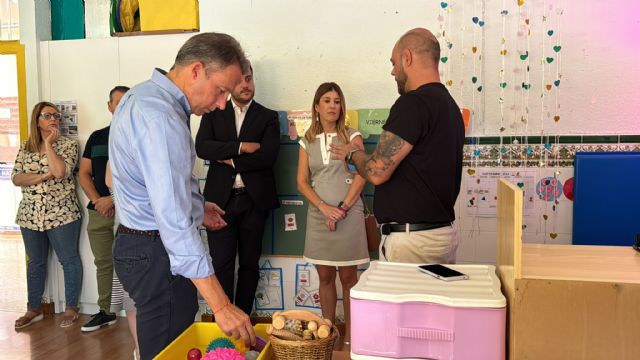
(152, 157)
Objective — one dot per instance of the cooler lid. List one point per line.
(402, 282)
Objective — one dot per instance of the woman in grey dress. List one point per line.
(336, 234)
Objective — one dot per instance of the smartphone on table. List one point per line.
(442, 272)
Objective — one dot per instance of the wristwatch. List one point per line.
(348, 158)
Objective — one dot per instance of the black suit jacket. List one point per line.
(217, 140)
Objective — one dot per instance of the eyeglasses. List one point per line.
(48, 116)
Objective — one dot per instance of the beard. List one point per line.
(401, 81)
(243, 97)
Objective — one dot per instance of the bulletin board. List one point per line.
(607, 198)
(289, 282)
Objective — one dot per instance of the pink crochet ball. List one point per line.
(223, 354)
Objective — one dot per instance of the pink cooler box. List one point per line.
(399, 312)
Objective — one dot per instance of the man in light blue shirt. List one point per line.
(158, 254)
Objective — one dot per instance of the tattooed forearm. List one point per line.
(377, 168)
(389, 145)
(377, 165)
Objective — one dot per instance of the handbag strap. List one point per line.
(366, 207)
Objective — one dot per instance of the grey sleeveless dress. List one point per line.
(348, 244)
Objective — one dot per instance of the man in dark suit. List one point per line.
(241, 142)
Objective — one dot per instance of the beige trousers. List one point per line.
(436, 246)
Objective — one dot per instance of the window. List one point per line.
(9, 20)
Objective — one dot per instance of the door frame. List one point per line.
(15, 48)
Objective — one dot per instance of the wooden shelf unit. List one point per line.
(566, 301)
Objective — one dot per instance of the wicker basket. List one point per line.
(304, 349)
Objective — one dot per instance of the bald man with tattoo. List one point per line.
(417, 165)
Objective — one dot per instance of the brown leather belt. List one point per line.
(125, 230)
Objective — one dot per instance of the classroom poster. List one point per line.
(481, 197)
(299, 123)
(270, 292)
(307, 287)
(351, 119)
(69, 120)
(289, 282)
(370, 121)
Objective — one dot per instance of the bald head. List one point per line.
(415, 59)
(422, 43)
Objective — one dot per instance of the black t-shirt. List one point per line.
(425, 186)
(97, 150)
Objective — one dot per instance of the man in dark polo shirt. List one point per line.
(417, 164)
(93, 166)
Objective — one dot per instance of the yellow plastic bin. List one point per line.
(200, 334)
(169, 15)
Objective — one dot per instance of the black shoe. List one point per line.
(99, 320)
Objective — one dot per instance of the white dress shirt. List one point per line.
(240, 113)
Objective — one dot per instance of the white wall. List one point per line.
(300, 43)
(35, 26)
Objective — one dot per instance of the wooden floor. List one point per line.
(47, 340)
(13, 267)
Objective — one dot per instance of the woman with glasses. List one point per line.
(48, 212)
